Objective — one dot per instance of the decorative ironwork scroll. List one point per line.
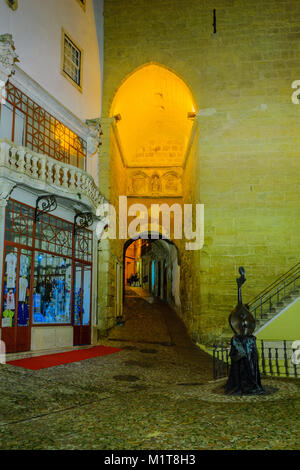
(83, 220)
(44, 204)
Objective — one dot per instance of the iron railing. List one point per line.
(26, 123)
(274, 296)
(276, 358)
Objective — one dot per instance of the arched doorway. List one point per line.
(152, 259)
(151, 123)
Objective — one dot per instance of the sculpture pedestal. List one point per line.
(244, 376)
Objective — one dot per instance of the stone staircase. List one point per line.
(276, 309)
(276, 297)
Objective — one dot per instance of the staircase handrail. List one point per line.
(275, 291)
(275, 283)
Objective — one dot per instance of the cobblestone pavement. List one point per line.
(157, 393)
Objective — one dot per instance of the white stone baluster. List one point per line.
(72, 180)
(65, 183)
(13, 158)
(57, 174)
(43, 174)
(35, 169)
(90, 188)
(79, 182)
(50, 165)
(92, 192)
(28, 164)
(21, 161)
(84, 184)
(39, 166)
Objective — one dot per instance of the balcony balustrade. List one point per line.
(22, 166)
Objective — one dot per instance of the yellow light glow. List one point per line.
(66, 138)
(154, 129)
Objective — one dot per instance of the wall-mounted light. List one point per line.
(13, 4)
(191, 115)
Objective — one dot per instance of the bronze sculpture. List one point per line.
(244, 376)
(240, 319)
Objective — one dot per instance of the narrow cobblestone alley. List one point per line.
(157, 393)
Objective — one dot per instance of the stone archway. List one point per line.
(165, 255)
(146, 138)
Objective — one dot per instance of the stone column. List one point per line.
(93, 144)
(105, 267)
(104, 162)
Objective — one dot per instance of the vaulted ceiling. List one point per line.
(154, 129)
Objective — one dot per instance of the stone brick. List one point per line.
(244, 164)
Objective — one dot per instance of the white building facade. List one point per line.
(50, 92)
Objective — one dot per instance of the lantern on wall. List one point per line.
(13, 4)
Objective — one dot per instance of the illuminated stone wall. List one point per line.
(245, 163)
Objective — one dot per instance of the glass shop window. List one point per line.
(82, 294)
(84, 245)
(10, 287)
(52, 289)
(16, 287)
(19, 223)
(54, 234)
(24, 287)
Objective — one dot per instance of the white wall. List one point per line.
(36, 28)
(99, 20)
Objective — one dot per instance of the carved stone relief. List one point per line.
(155, 182)
(138, 183)
(6, 188)
(171, 182)
(8, 57)
(94, 136)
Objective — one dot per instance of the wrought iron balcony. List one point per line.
(26, 123)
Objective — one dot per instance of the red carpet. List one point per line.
(52, 360)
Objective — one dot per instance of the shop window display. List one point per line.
(24, 288)
(82, 294)
(86, 301)
(52, 289)
(47, 274)
(9, 287)
(16, 287)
